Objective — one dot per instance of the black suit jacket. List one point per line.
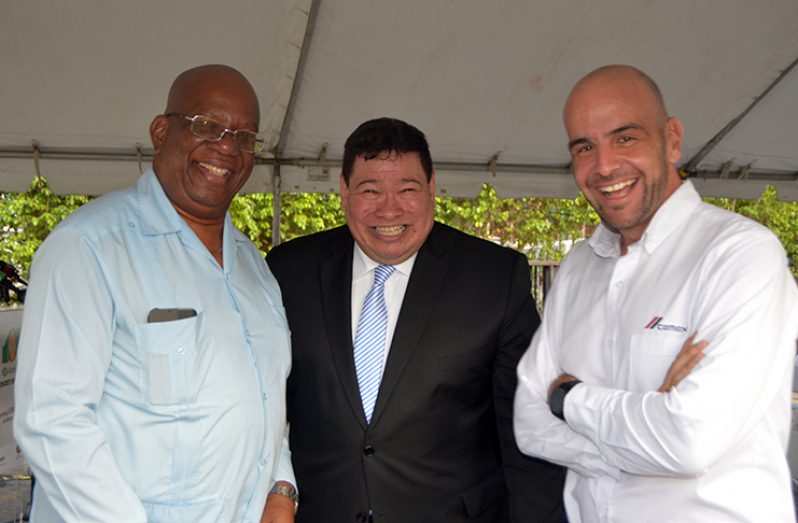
(440, 447)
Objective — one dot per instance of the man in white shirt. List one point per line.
(650, 433)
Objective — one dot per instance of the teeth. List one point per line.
(390, 231)
(218, 171)
(617, 187)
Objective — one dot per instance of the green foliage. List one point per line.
(301, 214)
(27, 218)
(543, 229)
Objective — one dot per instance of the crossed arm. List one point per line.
(688, 357)
(712, 396)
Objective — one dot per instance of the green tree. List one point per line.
(27, 218)
(541, 228)
(300, 214)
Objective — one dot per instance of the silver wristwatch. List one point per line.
(286, 490)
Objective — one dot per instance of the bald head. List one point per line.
(200, 174)
(194, 85)
(622, 80)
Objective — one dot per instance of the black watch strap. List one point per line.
(557, 401)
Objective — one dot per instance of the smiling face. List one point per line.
(623, 147)
(389, 206)
(201, 178)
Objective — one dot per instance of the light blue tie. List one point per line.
(370, 339)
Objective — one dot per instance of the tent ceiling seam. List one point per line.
(692, 164)
(300, 69)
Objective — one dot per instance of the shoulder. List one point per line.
(98, 218)
(713, 219)
(445, 238)
(726, 233)
(579, 254)
(731, 245)
(474, 261)
(309, 249)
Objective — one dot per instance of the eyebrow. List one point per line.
(618, 130)
(577, 141)
(375, 180)
(628, 127)
(364, 182)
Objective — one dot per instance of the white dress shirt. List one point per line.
(711, 450)
(394, 291)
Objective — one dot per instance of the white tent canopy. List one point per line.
(80, 81)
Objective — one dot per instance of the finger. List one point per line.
(689, 340)
(689, 351)
(678, 374)
(686, 369)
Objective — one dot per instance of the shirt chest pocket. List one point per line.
(651, 355)
(175, 359)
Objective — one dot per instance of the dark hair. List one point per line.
(388, 136)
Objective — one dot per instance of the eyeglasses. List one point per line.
(212, 131)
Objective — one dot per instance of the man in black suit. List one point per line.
(429, 439)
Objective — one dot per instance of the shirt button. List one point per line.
(368, 451)
(265, 396)
(181, 351)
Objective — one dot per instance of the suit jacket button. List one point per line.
(368, 451)
(361, 517)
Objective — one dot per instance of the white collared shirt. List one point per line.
(395, 287)
(714, 448)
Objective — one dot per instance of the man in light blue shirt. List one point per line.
(154, 349)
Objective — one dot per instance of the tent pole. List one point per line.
(276, 203)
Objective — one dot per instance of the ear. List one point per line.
(344, 192)
(674, 132)
(158, 129)
(432, 185)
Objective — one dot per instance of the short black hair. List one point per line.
(385, 135)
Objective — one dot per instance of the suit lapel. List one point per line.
(336, 296)
(423, 288)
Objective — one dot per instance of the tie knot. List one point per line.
(382, 273)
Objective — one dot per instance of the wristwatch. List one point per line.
(286, 490)
(557, 400)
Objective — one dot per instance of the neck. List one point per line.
(210, 234)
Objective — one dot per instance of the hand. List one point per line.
(564, 378)
(684, 363)
(278, 509)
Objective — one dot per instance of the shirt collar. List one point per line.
(157, 215)
(671, 216)
(363, 265)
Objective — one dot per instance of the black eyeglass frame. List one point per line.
(257, 139)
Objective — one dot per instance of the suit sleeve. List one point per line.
(535, 486)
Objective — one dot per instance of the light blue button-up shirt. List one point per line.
(128, 421)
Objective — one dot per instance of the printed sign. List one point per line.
(11, 461)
